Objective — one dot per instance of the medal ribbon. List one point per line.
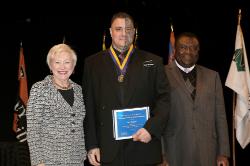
(124, 65)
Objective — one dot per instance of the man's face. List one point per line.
(122, 32)
(187, 51)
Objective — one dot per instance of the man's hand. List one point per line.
(142, 135)
(222, 161)
(94, 156)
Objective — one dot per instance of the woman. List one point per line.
(55, 114)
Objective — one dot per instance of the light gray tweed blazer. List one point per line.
(55, 131)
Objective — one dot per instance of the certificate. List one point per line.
(127, 121)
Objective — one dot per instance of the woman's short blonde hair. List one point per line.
(59, 48)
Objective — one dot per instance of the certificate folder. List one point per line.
(127, 121)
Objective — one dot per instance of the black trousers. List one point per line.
(122, 159)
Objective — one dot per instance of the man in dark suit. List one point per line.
(196, 132)
(111, 83)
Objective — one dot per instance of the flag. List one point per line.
(19, 122)
(239, 81)
(171, 46)
(104, 41)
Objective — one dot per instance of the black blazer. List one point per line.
(145, 84)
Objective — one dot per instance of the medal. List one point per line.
(122, 67)
(121, 78)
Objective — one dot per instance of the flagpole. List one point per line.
(104, 41)
(239, 16)
(233, 128)
(172, 28)
(233, 112)
(136, 37)
(64, 39)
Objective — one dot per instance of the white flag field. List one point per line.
(238, 80)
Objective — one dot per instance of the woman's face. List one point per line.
(62, 65)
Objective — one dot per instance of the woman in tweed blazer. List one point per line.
(55, 114)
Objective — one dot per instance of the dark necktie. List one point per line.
(190, 88)
(190, 81)
(121, 57)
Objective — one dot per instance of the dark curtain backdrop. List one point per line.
(39, 28)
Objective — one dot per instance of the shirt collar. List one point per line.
(118, 52)
(186, 70)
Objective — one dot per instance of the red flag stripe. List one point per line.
(23, 87)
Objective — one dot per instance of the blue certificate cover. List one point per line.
(127, 121)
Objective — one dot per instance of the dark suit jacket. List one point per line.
(145, 85)
(201, 122)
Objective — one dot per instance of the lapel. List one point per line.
(131, 78)
(199, 84)
(180, 80)
(110, 72)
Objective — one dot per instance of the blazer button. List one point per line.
(72, 131)
(101, 124)
(73, 115)
(73, 122)
(103, 107)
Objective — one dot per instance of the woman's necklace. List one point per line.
(61, 87)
